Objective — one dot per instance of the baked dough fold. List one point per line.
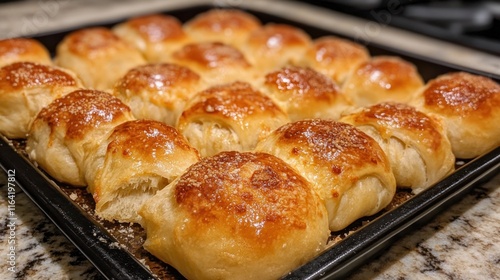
(347, 168)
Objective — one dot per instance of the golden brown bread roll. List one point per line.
(229, 26)
(347, 167)
(335, 57)
(236, 216)
(27, 87)
(416, 144)
(67, 131)
(216, 62)
(304, 93)
(156, 35)
(138, 159)
(469, 106)
(383, 79)
(23, 50)
(158, 91)
(97, 56)
(276, 45)
(232, 117)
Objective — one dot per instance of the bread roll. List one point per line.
(416, 144)
(156, 36)
(304, 93)
(217, 63)
(66, 132)
(138, 159)
(276, 45)
(383, 79)
(469, 107)
(158, 91)
(335, 57)
(23, 50)
(236, 216)
(229, 26)
(348, 169)
(97, 56)
(27, 87)
(231, 117)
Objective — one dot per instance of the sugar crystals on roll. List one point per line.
(416, 144)
(97, 55)
(138, 159)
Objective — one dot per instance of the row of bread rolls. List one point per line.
(124, 161)
(88, 137)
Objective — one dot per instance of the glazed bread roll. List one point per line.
(27, 87)
(23, 50)
(383, 79)
(416, 144)
(216, 62)
(158, 91)
(335, 57)
(229, 26)
(469, 107)
(347, 168)
(304, 93)
(67, 131)
(236, 216)
(276, 45)
(97, 56)
(232, 117)
(138, 159)
(155, 36)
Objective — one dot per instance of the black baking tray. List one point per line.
(115, 262)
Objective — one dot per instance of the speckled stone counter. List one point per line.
(461, 243)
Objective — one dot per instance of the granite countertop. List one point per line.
(460, 243)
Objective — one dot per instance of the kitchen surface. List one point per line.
(461, 242)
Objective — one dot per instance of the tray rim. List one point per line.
(473, 172)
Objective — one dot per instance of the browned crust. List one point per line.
(237, 101)
(460, 93)
(278, 36)
(146, 140)
(301, 83)
(327, 50)
(157, 27)
(223, 21)
(339, 146)
(253, 195)
(92, 41)
(21, 46)
(30, 75)
(390, 73)
(402, 116)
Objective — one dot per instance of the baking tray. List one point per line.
(116, 255)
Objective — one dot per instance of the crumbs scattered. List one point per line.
(73, 196)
